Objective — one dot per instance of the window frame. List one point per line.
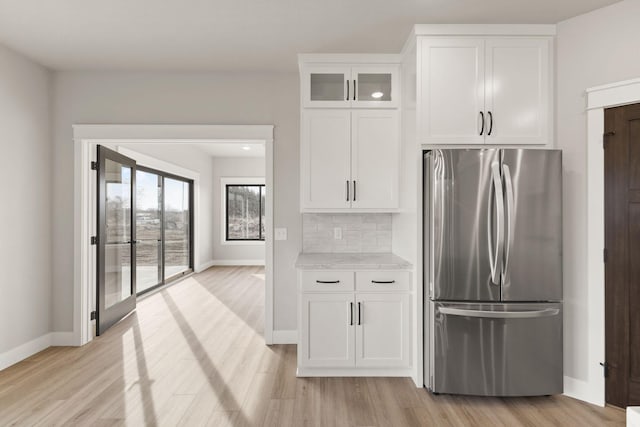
(226, 182)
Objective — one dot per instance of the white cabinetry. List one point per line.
(345, 86)
(328, 332)
(325, 153)
(382, 332)
(485, 90)
(350, 159)
(348, 330)
(349, 133)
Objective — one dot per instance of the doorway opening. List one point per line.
(191, 246)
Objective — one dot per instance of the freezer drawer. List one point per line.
(496, 349)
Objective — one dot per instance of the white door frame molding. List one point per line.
(86, 137)
(598, 98)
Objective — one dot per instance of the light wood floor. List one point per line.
(193, 354)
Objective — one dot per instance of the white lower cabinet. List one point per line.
(327, 337)
(347, 332)
(382, 331)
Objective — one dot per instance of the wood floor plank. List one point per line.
(192, 354)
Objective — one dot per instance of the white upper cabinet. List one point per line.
(339, 86)
(326, 86)
(374, 159)
(349, 133)
(326, 159)
(452, 90)
(518, 91)
(349, 160)
(485, 90)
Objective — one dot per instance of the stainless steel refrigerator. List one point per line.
(493, 271)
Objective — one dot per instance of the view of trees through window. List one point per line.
(245, 212)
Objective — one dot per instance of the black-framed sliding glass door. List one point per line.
(164, 221)
(148, 230)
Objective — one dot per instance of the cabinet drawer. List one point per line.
(327, 280)
(382, 280)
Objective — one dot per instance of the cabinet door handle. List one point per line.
(327, 281)
(347, 90)
(354, 89)
(482, 123)
(351, 314)
(490, 123)
(354, 190)
(347, 190)
(359, 314)
(382, 282)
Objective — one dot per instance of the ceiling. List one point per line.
(212, 149)
(254, 35)
(231, 149)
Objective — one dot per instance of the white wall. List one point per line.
(592, 49)
(178, 98)
(195, 160)
(230, 167)
(25, 197)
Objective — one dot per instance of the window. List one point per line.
(244, 212)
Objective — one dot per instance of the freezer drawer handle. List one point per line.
(547, 312)
(383, 282)
(327, 281)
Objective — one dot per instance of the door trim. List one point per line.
(86, 138)
(592, 389)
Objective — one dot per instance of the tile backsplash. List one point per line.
(360, 232)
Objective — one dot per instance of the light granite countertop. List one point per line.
(351, 261)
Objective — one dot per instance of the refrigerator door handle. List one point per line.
(547, 312)
(496, 192)
(510, 206)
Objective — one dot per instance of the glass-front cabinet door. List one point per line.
(364, 86)
(375, 86)
(327, 86)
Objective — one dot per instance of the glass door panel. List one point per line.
(116, 238)
(327, 86)
(148, 230)
(177, 227)
(376, 86)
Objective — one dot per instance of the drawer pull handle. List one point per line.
(327, 281)
(383, 282)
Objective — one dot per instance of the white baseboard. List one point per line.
(284, 336)
(28, 349)
(63, 339)
(17, 354)
(633, 416)
(353, 372)
(582, 390)
(202, 267)
(223, 262)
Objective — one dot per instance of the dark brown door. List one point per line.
(622, 241)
